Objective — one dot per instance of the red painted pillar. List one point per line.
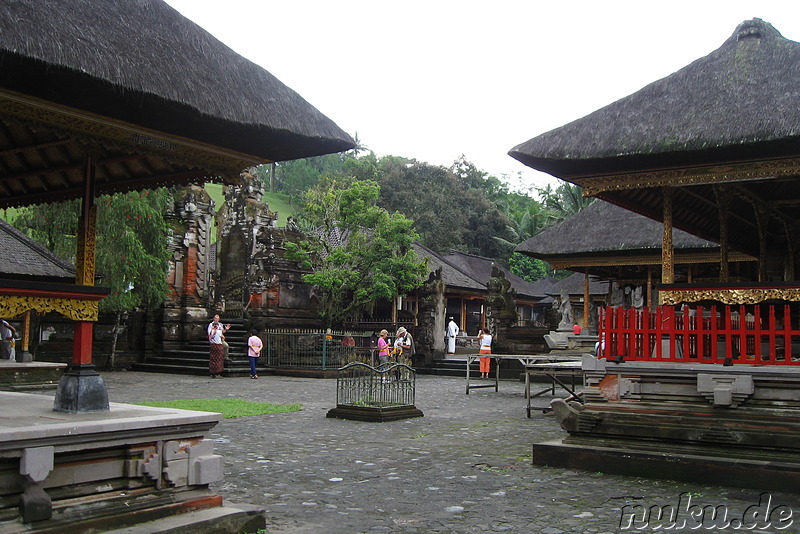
(82, 344)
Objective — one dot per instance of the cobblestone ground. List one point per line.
(463, 467)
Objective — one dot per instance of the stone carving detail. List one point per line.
(725, 390)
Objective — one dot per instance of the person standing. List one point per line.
(383, 348)
(7, 333)
(216, 337)
(254, 346)
(485, 340)
(452, 332)
(404, 342)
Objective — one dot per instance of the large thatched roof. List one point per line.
(743, 94)
(731, 118)
(152, 96)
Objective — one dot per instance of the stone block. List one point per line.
(36, 463)
(205, 470)
(35, 504)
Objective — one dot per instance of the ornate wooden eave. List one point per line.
(730, 293)
(77, 302)
(128, 156)
(679, 177)
(597, 260)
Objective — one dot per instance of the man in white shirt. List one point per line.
(7, 333)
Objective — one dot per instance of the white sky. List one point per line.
(434, 79)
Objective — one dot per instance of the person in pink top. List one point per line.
(383, 348)
(254, 346)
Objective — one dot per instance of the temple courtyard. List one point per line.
(463, 467)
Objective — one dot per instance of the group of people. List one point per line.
(219, 348)
(403, 343)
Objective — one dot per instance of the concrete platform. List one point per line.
(91, 472)
(21, 376)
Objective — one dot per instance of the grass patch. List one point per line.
(227, 407)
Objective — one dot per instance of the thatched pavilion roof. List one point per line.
(687, 116)
(613, 243)
(730, 118)
(152, 96)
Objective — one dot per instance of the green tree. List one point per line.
(527, 268)
(564, 201)
(131, 254)
(361, 252)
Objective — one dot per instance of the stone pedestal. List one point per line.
(81, 390)
(734, 425)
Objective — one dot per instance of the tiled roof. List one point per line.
(23, 257)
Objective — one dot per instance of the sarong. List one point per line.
(216, 362)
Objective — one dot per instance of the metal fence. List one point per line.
(359, 384)
(310, 349)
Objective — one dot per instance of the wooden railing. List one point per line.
(755, 335)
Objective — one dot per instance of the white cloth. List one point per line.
(486, 341)
(452, 332)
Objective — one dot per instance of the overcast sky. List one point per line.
(435, 79)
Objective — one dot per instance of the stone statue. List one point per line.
(565, 308)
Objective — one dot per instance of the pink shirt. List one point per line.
(254, 346)
(383, 347)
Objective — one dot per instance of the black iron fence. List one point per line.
(359, 384)
(311, 349)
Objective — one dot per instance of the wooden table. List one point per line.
(551, 369)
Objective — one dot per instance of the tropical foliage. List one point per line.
(359, 253)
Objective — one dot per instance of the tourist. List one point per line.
(7, 333)
(576, 329)
(452, 332)
(254, 346)
(216, 338)
(383, 348)
(404, 342)
(485, 340)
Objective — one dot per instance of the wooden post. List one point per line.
(667, 252)
(586, 300)
(81, 388)
(723, 204)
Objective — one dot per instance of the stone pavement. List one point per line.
(463, 467)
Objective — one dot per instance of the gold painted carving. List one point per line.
(667, 249)
(87, 245)
(729, 296)
(736, 172)
(77, 310)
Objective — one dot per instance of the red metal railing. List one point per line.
(755, 335)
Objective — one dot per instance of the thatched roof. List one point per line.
(729, 119)
(742, 99)
(452, 276)
(603, 228)
(480, 268)
(24, 258)
(574, 285)
(154, 98)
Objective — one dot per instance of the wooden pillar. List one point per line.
(762, 218)
(791, 253)
(667, 252)
(463, 323)
(81, 388)
(723, 204)
(650, 301)
(85, 263)
(586, 300)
